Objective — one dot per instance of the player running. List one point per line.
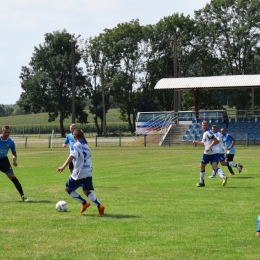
(7, 143)
(81, 175)
(210, 154)
(221, 146)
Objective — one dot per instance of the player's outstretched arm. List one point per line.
(67, 162)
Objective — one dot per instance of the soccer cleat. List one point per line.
(24, 198)
(240, 168)
(212, 176)
(224, 182)
(200, 184)
(84, 207)
(231, 174)
(101, 209)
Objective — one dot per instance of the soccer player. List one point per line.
(258, 227)
(7, 143)
(70, 140)
(210, 154)
(81, 175)
(229, 143)
(221, 148)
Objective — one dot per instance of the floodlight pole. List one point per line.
(253, 89)
(73, 88)
(177, 94)
(73, 43)
(103, 100)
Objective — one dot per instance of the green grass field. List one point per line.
(42, 119)
(153, 208)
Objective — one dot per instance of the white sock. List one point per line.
(76, 196)
(93, 197)
(232, 164)
(202, 175)
(221, 173)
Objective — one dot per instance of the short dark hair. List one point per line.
(6, 127)
(78, 133)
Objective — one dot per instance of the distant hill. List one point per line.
(42, 119)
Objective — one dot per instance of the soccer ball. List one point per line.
(62, 206)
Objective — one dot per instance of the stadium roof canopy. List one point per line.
(224, 82)
(214, 82)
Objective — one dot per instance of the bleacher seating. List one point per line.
(240, 131)
(193, 132)
(233, 131)
(251, 139)
(252, 120)
(191, 138)
(201, 131)
(250, 125)
(246, 130)
(238, 137)
(257, 138)
(197, 126)
(256, 125)
(185, 138)
(243, 125)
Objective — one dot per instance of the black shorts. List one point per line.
(230, 157)
(71, 166)
(5, 165)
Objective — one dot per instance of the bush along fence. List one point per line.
(47, 129)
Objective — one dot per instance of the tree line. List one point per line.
(128, 60)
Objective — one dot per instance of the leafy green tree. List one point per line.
(19, 111)
(2, 111)
(128, 57)
(230, 30)
(9, 109)
(97, 58)
(115, 57)
(47, 80)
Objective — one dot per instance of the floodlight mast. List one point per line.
(177, 94)
(73, 96)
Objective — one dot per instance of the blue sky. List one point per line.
(23, 24)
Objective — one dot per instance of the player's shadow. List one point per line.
(234, 187)
(114, 216)
(244, 177)
(106, 187)
(35, 201)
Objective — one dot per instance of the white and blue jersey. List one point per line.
(5, 145)
(82, 161)
(227, 140)
(211, 155)
(208, 138)
(220, 146)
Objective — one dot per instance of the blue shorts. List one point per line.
(86, 184)
(221, 157)
(209, 158)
